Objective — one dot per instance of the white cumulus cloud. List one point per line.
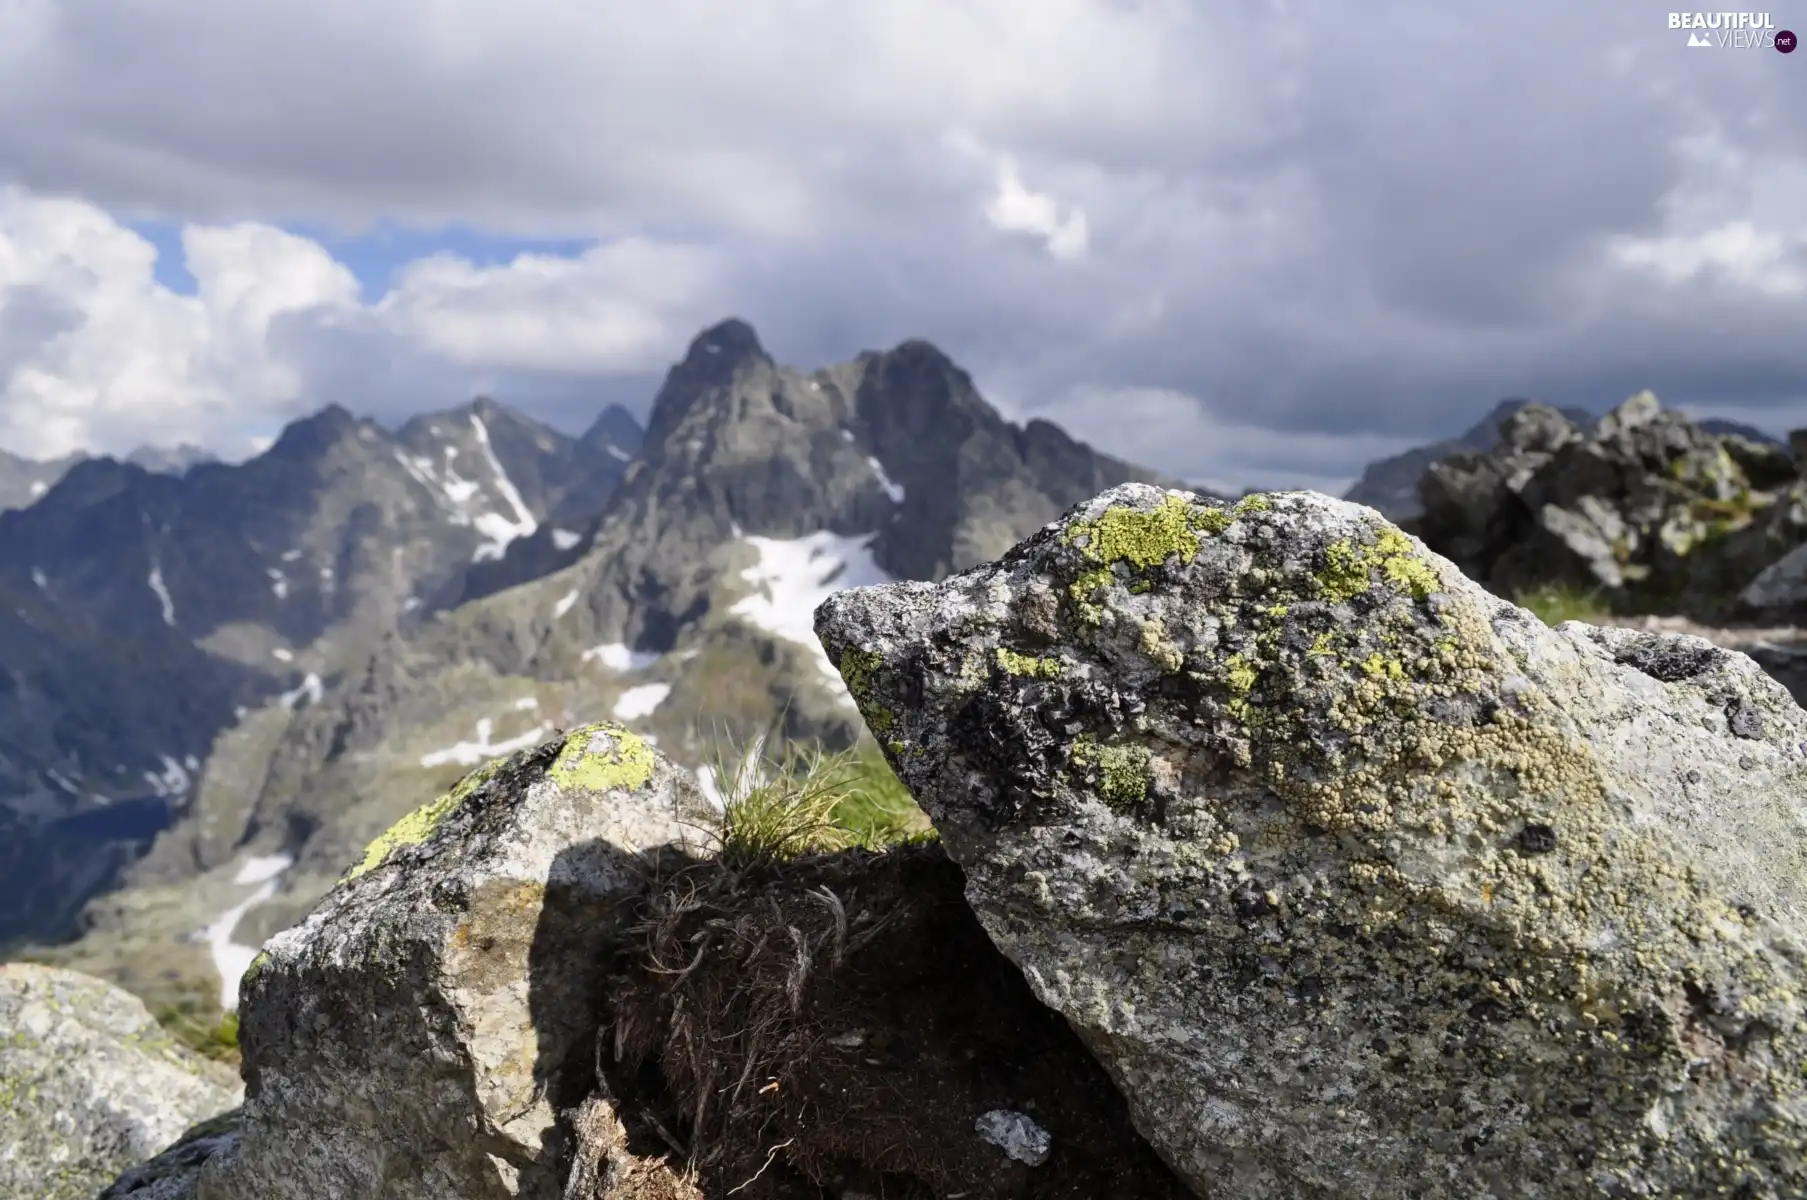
(1013, 208)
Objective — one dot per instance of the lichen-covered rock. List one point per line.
(89, 1083)
(1361, 881)
(1649, 507)
(427, 1031)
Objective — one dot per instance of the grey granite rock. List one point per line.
(427, 1031)
(89, 1083)
(1361, 881)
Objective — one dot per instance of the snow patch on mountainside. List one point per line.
(565, 603)
(641, 701)
(311, 688)
(794, 576)
(464, 500)
(497, 528)
(156, 582)
(469, 754)
(564, 539)
(173, 780)
(615, 656)
(895, 491)
(232, 959)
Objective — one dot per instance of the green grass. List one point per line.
(1554, 603)
(780, 804)
(211, 1034)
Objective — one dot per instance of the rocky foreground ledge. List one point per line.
(1360, 881)
(1348, 880)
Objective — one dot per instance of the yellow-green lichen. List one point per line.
(420, 824)
(1027, 664)
(254, 969)
(1145, 538)
(1154, 645)
(1084, 591)
(1252, 504)
(857, 668)
(1239, 674)
(1347, 564)
(1122, 771)
(1378, 666)
(601, 758)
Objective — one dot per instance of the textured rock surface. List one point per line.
(1361, 881)
(89, 1083)
(424, 1031)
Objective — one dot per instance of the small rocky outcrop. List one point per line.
(89, 1083)
(1647, 507)
(1360, 881)
(428, 1030)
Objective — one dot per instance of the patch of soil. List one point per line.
(839, 1026)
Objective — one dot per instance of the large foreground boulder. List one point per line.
(89, 1083)
(1360, 881)
(428, 1031)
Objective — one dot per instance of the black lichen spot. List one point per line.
(1537, 838)
(1742, 716)
(1658, 657)
(1249, 900)
(996, 735)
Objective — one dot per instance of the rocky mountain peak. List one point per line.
(615, 432)
(724, 356)
(92, 481)
(312, 436)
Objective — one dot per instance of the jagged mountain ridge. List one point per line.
(148, 611)
(685, 612)
(24, 480)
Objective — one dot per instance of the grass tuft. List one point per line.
(778, 805)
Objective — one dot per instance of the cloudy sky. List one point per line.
(1248, 242)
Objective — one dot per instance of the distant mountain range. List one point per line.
(1391, 484)
(271, 662)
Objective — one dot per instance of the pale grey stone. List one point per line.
(89, 1083)
(1360, 881)
(425, 1032)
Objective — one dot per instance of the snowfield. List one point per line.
(794, 576)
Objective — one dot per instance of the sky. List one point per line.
(1249, 244)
